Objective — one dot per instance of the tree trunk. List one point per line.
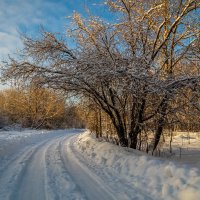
(134, 137)
(136, 127)
(121, 132)
(122, 136)
(161, 123)
(158, 132)
(133, 141)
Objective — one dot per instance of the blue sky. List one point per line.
(27, 16)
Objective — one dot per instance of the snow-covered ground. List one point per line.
(12, 140)
(157, 177)
(66, 165)
(185, 148)
(31, 166)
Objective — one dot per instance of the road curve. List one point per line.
(54, 169)
(36, 172)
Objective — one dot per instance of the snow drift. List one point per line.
(158, 177)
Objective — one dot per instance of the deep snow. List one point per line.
(67, 165)
(154, 176)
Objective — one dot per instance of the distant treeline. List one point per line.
(37, 108)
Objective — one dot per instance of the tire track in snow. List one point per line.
(55, 169)
(91, 185)
(11, 176)
(34, 183)
(38, 174)
(109, 180)
(60, 183)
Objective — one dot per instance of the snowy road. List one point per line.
(37, 171)
(53, 168)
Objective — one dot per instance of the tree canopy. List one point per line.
(139, 70)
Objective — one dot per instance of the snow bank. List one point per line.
(15, 140)
(160, 178)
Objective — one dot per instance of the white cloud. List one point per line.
(26, 14)
(9, 43)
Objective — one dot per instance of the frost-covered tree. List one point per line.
(127, 68)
